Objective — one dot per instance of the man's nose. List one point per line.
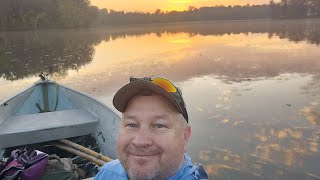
(142, 138)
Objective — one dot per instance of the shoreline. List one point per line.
(139, 25)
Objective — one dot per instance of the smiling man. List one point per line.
(154, 134)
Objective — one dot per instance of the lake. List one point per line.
(252, 88)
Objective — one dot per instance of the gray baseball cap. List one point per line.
(156, 85)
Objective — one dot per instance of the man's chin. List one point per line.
(143, 173)
(143, 166)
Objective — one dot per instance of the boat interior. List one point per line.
(48, 111)
(44, 110)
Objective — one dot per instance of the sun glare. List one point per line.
(177, 5)
(179, 1)
(181, 38)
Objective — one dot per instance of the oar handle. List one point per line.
(86, 150)
(79, 153)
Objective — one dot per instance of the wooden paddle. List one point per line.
(82, 151)
(86, 150)
(79, 153)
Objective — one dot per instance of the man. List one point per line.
(154, 134)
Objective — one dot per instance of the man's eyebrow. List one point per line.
(161, 116)
(125, 116)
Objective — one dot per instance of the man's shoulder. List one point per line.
(189, 171)
(110, 170)
(199, 172)
(196, 172)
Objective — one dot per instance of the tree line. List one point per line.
(36, 14)
(192, 14)
(27, 14)
(286, 9)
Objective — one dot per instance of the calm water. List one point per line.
(252, 88)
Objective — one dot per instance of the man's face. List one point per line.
(152, 138)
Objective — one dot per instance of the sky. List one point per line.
(167, 5)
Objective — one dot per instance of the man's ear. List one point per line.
(187, 134)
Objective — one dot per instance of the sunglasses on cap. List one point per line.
(170, 88)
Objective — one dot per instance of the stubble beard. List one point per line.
(161, 171)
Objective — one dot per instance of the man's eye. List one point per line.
(159, 126)
(131, 125)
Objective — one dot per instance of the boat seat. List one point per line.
(35, 128)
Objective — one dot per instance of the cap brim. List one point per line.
(124, 95)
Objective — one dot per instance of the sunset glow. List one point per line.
(179, 1)
(167, 5)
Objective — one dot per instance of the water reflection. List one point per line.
(312, 113)
(270, 154)
(24, 54)
(262, 129)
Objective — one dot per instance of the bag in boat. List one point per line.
(26, 165)
(62, 169)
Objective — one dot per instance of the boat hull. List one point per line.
(49, 111)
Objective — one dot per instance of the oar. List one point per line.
(86, 150)
(79, 153)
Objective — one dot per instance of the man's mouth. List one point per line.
(142, 159)
(143, 154)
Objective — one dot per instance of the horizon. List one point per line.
(168, 5)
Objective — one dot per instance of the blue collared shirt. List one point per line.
(188, 171)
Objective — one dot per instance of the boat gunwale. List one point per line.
(16, 95)
(66, 87)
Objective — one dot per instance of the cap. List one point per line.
(157, 85)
